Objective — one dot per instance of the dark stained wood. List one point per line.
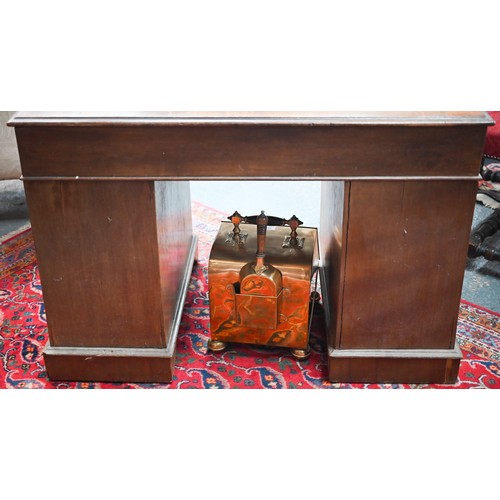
(333, 233)
(97, 249)
(120, 364)
(196, 118)
(250, 152)
(175, 238)
(401, 367)
(104, 365)
(100, 256)
(406, 252)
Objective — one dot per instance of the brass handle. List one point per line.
(293, 222)
(262, 223)
(272, 221)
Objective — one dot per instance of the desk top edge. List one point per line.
(292, 118)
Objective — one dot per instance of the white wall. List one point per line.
(278, 198)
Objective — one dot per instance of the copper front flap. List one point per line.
(257, 311)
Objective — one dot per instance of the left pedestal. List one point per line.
(115, 258)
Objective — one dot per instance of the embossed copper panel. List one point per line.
(257, 311)
(281, 320)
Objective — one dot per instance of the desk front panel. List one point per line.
(253, 152)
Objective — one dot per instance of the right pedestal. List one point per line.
(394, 254)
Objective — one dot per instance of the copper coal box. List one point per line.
(262, 275)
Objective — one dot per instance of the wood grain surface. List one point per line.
(272, 151)
(406, 252)
(394, 367)
(333, 234)
(111, 258)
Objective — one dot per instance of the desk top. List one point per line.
(193, 118)
(250, 145)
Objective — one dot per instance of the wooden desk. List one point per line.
(109, 205)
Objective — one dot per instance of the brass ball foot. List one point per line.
(216, 345)
(301, 354)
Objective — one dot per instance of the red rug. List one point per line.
(24, 334)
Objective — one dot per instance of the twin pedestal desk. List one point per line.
(109, 204)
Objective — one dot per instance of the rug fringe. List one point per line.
(482, 308)
(14, 234)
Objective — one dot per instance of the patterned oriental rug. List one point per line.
(24, 334)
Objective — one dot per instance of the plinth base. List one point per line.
(416, 366)
(109, 365)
